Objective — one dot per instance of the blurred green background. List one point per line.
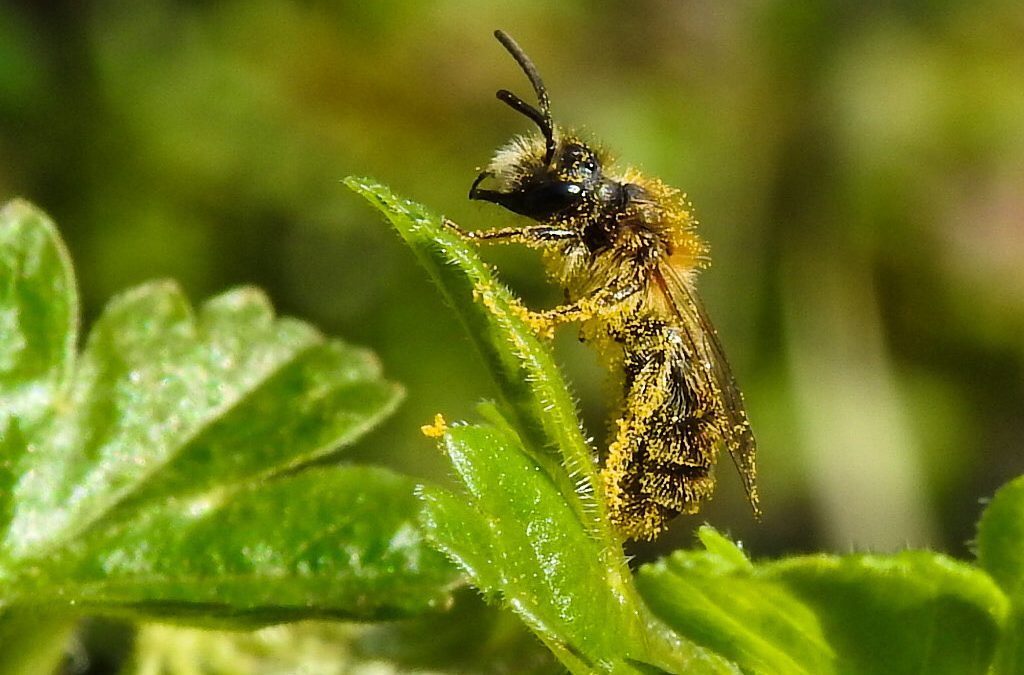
(859, 173)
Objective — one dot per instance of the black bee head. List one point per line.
(540, 190)
(541, 177)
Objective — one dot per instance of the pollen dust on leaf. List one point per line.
(436, 429)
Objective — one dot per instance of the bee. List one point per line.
(624, 249)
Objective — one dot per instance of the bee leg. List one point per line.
(455, 227)
(539, 322)
(536, 236)
(544, 323)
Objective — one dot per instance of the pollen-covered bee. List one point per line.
(624, 249)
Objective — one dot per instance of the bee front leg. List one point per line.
(536, 236)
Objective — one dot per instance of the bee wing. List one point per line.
(702, 339)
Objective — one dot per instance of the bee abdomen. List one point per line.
(661, 459)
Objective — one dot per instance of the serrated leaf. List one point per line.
(912, 612)
(171, 476)
(517, 538)
(727, 554)
(152, 381)
(38, 313)
(534, 393)
(531, 528)
(340, 542)
(1000, 533)
(326, 398)
(713, 598)
(457, 529)
(1001, 554)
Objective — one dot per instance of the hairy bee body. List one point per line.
(661, 458)
(624, 249)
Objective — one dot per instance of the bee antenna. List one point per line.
(519, 105)
(541, 117)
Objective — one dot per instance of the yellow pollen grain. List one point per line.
(437, 429)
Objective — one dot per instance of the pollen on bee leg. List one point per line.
(539, 324)
(542, 326)
(437, 429)
(455, 227)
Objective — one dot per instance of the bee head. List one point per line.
(538, 177)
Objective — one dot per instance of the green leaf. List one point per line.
(533, 392)
(158, 386)
(171, 472)
(456, 528)
(341, 541)
(713, 598)
(531, 528)
(516, 537)
(1000, 537)
(912, 612)
(1001, 553)
(38, 313)
(12, 445)
(325, 399)
(1009, 658)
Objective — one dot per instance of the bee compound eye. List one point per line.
(579, 164)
